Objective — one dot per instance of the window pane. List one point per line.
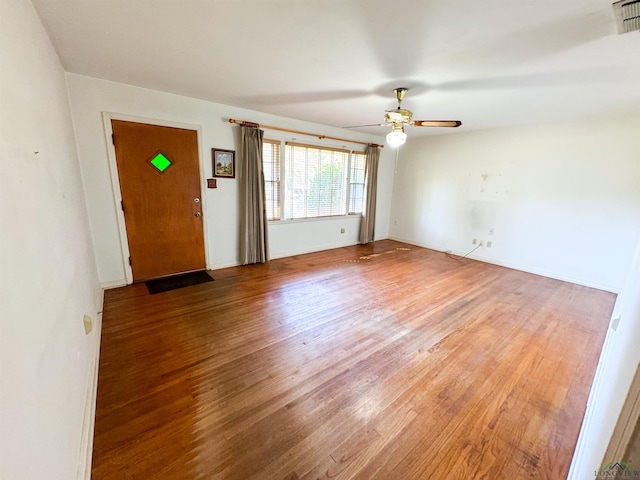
(271, 169)
(316, 184)
(356, 192)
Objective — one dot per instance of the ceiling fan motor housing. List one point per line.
(398, 116)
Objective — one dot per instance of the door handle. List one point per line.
(197, 214)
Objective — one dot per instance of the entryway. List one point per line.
(159, 177)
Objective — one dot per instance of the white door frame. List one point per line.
(115, 180)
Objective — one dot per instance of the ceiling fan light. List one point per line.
(395, 138)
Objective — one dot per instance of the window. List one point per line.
(271, 168)
(316, 181)
(356, 191)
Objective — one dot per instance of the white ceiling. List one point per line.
(489, 63)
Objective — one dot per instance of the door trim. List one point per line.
(626, 424)
(115, 181)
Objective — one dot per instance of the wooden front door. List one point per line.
(159, 176)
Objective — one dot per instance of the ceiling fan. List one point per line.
(400, 117)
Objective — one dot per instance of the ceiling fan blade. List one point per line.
(437, 123)
(372, 125)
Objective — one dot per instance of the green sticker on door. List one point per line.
(160, 162)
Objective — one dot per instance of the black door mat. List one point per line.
(177, 281)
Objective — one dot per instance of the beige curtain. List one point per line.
(367, 225)
(253, 218)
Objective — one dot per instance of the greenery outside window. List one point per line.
(312, 181)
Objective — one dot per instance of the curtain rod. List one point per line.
(268, 127)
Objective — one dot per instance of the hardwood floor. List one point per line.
(385, 361)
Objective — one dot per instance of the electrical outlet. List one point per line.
(474, 241)
(481, 242)
(489, 243)
(342, 230)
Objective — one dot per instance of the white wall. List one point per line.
(48, 278)
(90, 97)
(620, 358)
(563, 199)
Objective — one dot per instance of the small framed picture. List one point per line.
(224, 163)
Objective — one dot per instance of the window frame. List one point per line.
(351, 182)
(280, 211)
(284, 207)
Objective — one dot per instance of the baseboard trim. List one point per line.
(113, 284)
(219, 266)
(578, 462)
(303, 251)
(623, 431)
(88, 422)
(516, 266)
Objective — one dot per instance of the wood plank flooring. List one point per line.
(385, 361)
